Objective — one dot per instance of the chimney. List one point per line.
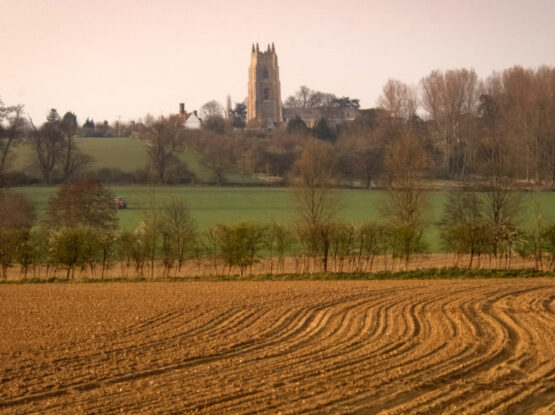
(182, 108)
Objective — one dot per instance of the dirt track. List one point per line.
(311, 347)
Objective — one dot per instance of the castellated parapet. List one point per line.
(264, 96)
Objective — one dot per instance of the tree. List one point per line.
(239, 115)
(69, 247)
(211, 109)
(16, 219)
(451, 99)
(73, 160)
(164, 138)
(464, 227)
(217, 155)
(297, 126)
(239, 245)
(150, 234)
(314, 177)
(17, 211)
(215, 123)
(12, 130)
(55, 146)
(399, 100)
(48, 143)
(346, 102)
(179, 230)
(322, 131)
(404, 205)
(84, 202)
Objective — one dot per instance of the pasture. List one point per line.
(127, 155)
(395, 347)
(212, 205)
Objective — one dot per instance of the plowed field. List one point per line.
(395, 347)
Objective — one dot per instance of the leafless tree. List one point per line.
(179, 229)
(399, 99)
(451, 100)
(12, 130)
(404, 204)
(48, 143)
(164, 137)
(314, 178)
(218, 156)
(73, 160)
(212, 109)
(86, 202)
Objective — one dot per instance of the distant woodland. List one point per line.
(452, 125)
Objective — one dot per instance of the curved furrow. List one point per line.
(78, 368)
(347, 365)
(459, 396)
(418, 374)
(350, 347)
(335, 369)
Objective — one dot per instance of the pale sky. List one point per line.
(104, 59)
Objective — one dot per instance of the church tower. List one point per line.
(264, 100)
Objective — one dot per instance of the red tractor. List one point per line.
(121, 203)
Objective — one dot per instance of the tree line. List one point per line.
(79, 231)
(462, 123)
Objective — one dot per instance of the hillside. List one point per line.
(127, 155)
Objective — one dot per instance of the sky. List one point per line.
(124, 59)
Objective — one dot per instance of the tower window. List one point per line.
(266, 93)
(265, 73)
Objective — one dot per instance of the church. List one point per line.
(264, 108)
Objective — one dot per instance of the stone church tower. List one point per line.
(264, 100)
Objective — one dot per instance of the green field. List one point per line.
(127, 155)
(212, 205)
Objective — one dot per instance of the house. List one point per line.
(191, 119)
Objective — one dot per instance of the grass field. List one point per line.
(127, 155)
(211, 205)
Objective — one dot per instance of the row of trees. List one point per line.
(462, 124)
(80, 232)
(167, 239)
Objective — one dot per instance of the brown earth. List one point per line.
(395, 347)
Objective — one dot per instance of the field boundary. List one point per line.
(448, 273)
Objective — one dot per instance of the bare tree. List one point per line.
(399, 99)
(404, 205)
(218, 156)
(314, 178)
(179, 229)
(12, 130)
(86, 202)
(48, 143)
(73, 160)
(164, 138)
(451, 100)
(16, 219)
(212, 109)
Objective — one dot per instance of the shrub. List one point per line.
(239, 245)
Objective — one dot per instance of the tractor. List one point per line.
(120, 202)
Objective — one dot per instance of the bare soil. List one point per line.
(395, 347)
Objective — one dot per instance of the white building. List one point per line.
(192, 119)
